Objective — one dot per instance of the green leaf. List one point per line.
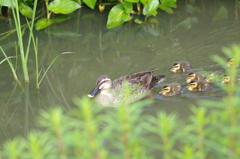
(132, 1)
(26, 11)
(222, 14)
(61, 18)
(138, 21)
(43, 23)
(8, 3)
(126, 17)
(63, 6)
(144, 2)
(145, 9)
(117, 16)
(90, 3)
(166, 9)
(153, 5)
(128, 7)
(169, 3)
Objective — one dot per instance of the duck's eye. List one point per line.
(101, 83)
(193, 84)
(191, 75)
(176, 66)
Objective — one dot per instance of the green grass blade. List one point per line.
(10, 57)
(44, 74)
(20, 41)
(31, 30)
(10, 65)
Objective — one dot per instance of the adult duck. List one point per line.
(111, 92)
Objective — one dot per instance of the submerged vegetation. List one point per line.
(211, 131)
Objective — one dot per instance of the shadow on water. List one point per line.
(185, 35)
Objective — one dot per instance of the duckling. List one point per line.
(194, 76)
(182, 66)
(230, 63)
(227, 80)
(214, 76)
(171, 89)
(199, 85)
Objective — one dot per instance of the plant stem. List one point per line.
(200, 141)
(36, 57)
(19, 35)
(231, 110)
(30, 27)
(61, 143)
(48, 13)
(166, 147)
(139, 8)
(123, 116)
(44, 74)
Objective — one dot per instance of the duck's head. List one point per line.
(210, 77)
(214, 77)
(191, 76)
(192, 85)
(102, 83)
(176, 67)
(225, 79)
(165, 90)
(230, 62)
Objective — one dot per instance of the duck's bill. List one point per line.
(189, 88)
(94, 92)
(188, 80)
(172, 70)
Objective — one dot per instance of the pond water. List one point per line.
(193, 33)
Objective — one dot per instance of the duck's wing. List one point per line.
(143, 78)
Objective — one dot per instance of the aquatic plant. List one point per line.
(24, 52)
(121, 11)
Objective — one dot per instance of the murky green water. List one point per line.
(193, 37)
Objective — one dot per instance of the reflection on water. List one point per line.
(187, 35)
